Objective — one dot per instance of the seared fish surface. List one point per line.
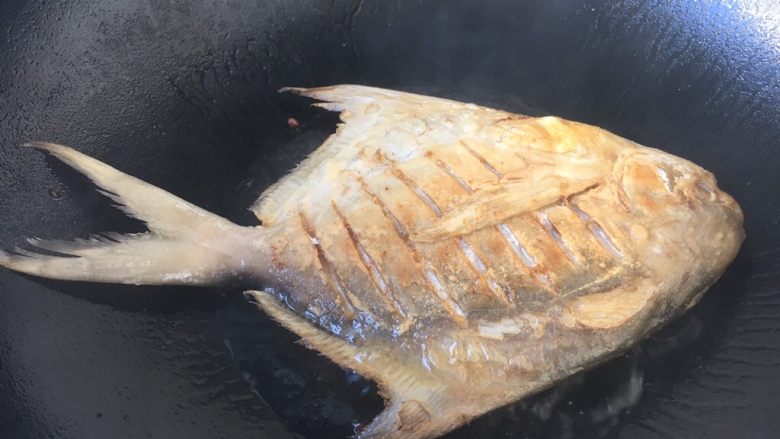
(460, 256)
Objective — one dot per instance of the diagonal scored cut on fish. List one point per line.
(460, 256)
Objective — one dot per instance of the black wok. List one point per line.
(183, 95)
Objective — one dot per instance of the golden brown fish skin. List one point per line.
(378, 239)
(606, 241)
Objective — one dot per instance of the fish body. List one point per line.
(460, 256)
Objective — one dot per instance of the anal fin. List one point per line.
(338, 350)
(418, 404)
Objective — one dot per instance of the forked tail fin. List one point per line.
(185, 245)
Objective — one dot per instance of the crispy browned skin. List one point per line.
(460, 256)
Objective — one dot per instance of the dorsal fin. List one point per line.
(366, 112)
(360, 99)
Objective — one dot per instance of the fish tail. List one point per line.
(185, 245)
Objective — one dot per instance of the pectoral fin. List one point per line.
(498, 202)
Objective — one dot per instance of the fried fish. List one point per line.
(462, 257)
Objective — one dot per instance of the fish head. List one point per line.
(652, 181)
(684, 223)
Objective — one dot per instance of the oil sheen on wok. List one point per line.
(461, 257)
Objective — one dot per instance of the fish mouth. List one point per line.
(705, 190)
(727, 201)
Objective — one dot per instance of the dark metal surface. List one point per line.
(182, 94)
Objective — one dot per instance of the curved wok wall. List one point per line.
(182, 94)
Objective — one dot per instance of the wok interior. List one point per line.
(184, 97)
